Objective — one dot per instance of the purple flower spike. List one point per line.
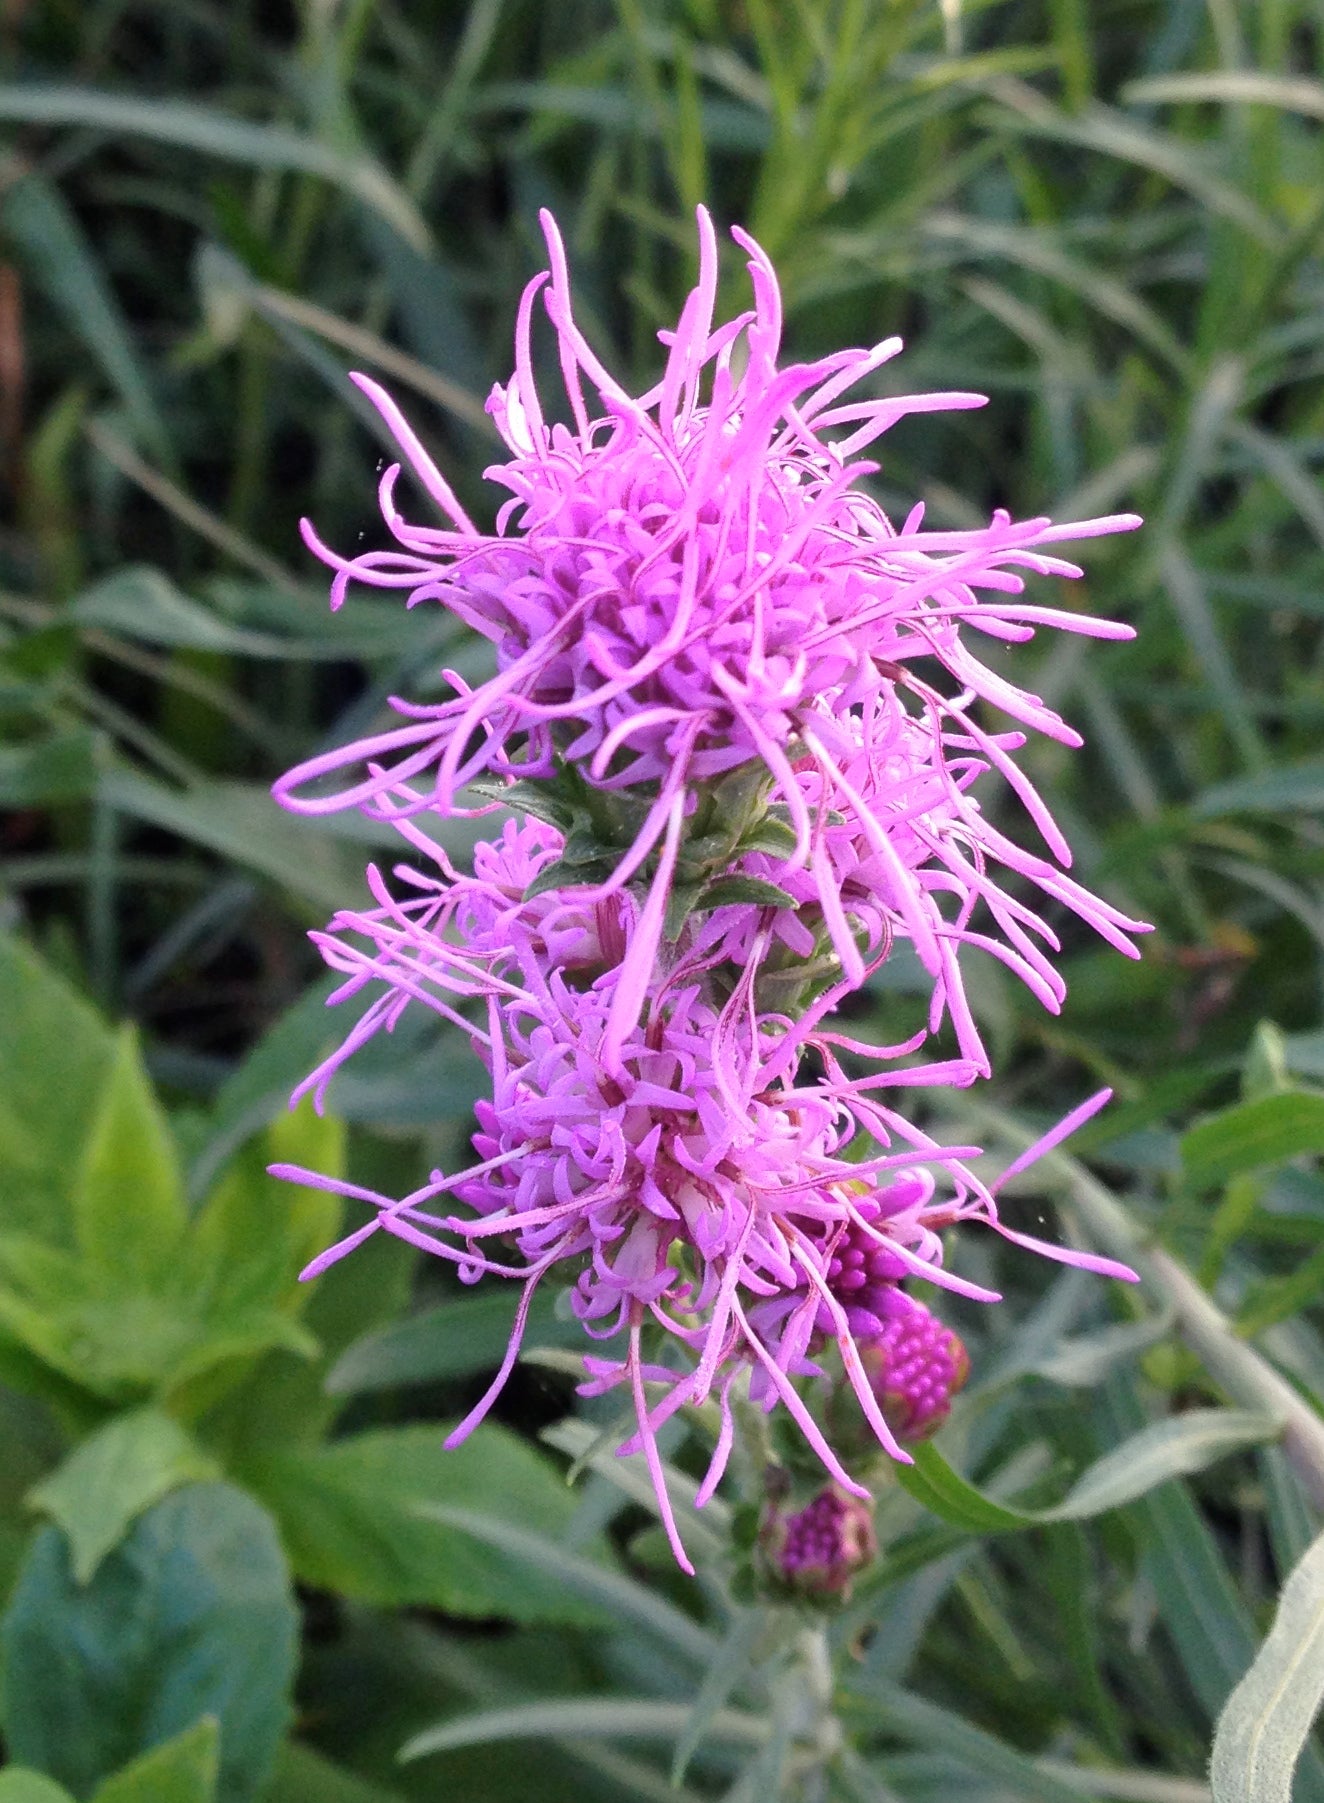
(687, 1183)
(742, 711)
(692, 582)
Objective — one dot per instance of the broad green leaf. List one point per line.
(282, 1401)
(1264, 1726)
(623, 1718)
(129, 1192)
(30, 1787)
(35, 217)
(597, 1585)
(112, 1477)
(183, 1770)
(214, 133)
(1252, 1135)
(255, 1233)
(458, 1338)
(258, 1092)
(127, 1344)
(191, 1615)
(354, 1519)
(55, 1053)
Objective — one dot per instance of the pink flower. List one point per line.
(692, 582)
(689, 1183)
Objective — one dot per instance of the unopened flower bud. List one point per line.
(818, 1552)
(915, 1366)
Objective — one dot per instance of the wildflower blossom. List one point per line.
(742, 705)
(691, 1184)
(691, 583)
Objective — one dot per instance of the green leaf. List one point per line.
(112, 1477)
(1296, 94)
(218, 134)
(243, 824)
(598, 1585)
(184, 1770)
(1163, 1450)
(255, 1233)
(55, 1053)
(30, 1787)
(142, 603)
(303, 1775)
(920, 1723)
(353, 1520)
(1252, 1135)
(1084, 1360)
(1264, 1726)
(129, 1193)
(931, 1481)
(729, 1670)
(1265, 1072)
(191, 1615)
(459, 1338)
(623, 1718)
(1291, 787)
(127, 1343)
(50, 240)
(750, 891)
(282, 1402)
(58, 768)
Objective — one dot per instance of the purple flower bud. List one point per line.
(818, 1552)
(915, 1367)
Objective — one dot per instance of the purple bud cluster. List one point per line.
(741, 714)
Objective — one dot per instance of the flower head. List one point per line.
(692, 582)
(692, 1184)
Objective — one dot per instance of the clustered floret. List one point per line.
(737, 710)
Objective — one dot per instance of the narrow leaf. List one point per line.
(621, 1718)
(1262, 1730)
(1252, 1135)
(218, 134)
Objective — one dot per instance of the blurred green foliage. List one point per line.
(1107, 217)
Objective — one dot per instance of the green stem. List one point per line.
(1244, 1373)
